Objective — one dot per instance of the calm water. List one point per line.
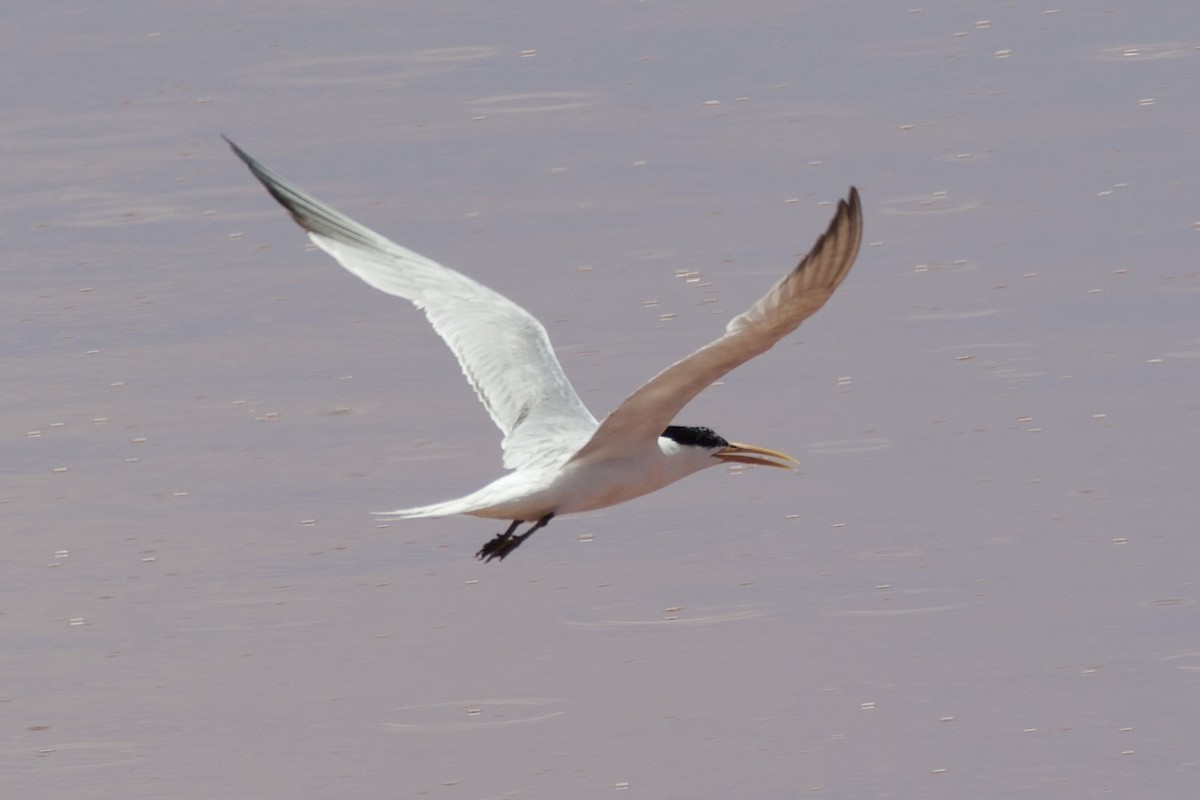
(981, 584)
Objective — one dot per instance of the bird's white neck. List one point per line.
(676, 461)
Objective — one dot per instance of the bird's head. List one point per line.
(708, 441)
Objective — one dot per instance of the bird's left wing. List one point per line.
(799, 294)
(503, 350)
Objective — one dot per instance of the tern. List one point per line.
(562, 460)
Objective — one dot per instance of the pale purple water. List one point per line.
(983, 584)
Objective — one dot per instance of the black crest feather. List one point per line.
(695, 437)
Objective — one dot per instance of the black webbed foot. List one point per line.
(504, 543)
(499, 547)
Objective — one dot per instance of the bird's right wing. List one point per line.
(503, 350)
(798, 295)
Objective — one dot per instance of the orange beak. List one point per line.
(753, 454)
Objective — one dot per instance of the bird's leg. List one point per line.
(505, 543)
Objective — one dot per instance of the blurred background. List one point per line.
(982, 582)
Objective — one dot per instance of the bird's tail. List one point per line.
(493, 501)
(446, 509)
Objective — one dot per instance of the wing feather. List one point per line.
(798, 295)
(504, 351)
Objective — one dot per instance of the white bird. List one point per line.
(562, 460)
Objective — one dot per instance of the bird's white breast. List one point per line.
(586, 485)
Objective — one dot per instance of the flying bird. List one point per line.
(562, 460)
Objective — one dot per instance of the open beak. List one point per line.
(752, 454)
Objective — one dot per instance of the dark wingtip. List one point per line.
(852, 202)
(852, 207)
(239, 152)
(307, 211)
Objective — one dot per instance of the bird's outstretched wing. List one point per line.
(647, 412)
(504, 351)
